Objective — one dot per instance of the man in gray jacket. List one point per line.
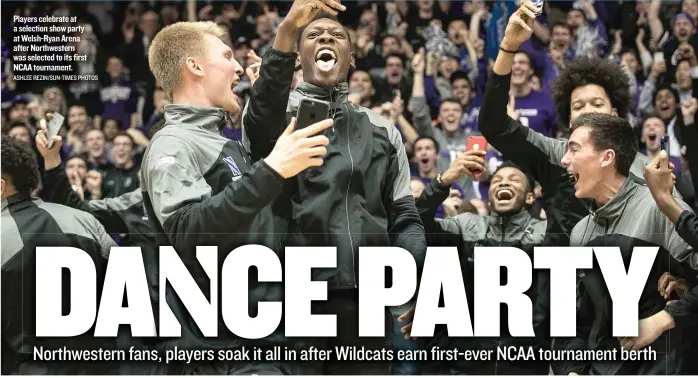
(511, 225)
(599, 155)
(202, 189)
(28, 223)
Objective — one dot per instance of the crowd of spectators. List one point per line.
(431, 95)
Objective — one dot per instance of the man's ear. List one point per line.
(193, 67)
(3, 184)
(530, 198)
(352, 62)
(608, 157)
(614, 112)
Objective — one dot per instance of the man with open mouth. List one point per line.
(599, 156)
(510, 224)
(361, 195)
(585, 86)
(201, 188)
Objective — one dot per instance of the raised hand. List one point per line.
(303, 11)
(93, 184)
(520, 26)
(254, 63)
(465, 165)
(688, 110)
(418, 62)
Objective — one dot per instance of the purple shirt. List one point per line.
(537, 111)
(119, 101)
(470, 114)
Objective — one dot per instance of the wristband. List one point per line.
(507, 51)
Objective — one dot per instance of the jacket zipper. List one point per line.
(346, 200)
(499, 339)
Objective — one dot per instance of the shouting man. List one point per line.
(361, 195)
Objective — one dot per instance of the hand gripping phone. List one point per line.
(54, 127)
(311, 111)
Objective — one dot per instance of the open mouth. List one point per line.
(574, 176)
(325, 60)
(424, 160)
(451, 119)
(235, 84)
(652, 137)
(504, 195)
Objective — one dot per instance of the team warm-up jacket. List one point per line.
(468, 231)
(201, 189)
(123, 216)
(28, 223)
(629, 219)
(360, 196)
(539, 156)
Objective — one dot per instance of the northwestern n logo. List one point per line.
(233, 167)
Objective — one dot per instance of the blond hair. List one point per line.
(173, 45)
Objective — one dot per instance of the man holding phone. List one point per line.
(200, 188)
(361, 195)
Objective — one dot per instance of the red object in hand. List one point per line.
(476, 143)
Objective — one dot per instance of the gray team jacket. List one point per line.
(200, 189)
(28, 223)
(630, 219)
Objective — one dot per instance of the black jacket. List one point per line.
(685, 310)
(28, 223)
(467, 231)
(360, 196)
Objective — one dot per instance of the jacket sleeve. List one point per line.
(685, 310)
(264, 118)
(687, 228)
(533, 152)
(404, 226)
(690, 139)
(183, 203)
(106, 210)
(422, 117)
(438, 231)
(674, 243)
(101, 237)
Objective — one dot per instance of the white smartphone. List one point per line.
(54, 127)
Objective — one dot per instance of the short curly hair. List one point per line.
(584, 71)
(19, 164)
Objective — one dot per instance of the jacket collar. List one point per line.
(209, 118)
(516, 223)
(337, 94)
(17, 198)
(614, 207)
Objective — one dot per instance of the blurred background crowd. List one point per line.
(432, 97)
